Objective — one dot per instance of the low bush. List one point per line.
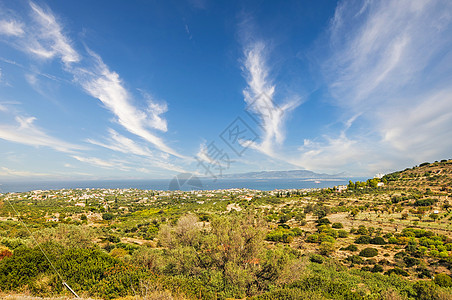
(397, 271)
(363, 239)
(443, 280)
(350, 248)
(368, 252)
(337, 225)
(378, 240)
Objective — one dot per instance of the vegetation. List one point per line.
(387, 238)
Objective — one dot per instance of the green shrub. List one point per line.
(108, 216)
(443, 254)
(425, 290)
(316, 258)
(355, 259)
(280, 235)
(424, 202)
(378, 240)
(312, 238)
(323, 221)
(350, 247)
(392, 240)
(368, 252)
(364, 239)
(326, 248)
(326, 238)
(443, 280)
(362, 230)
(397, 271)
(377, 269)
(337, 225)
(342, 233)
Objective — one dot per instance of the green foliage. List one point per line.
(424, 202)
(397, 271)
(316, 258)
(368, 252)
(350, 247)
(280, 235)
(425, 290)
(326, 248)
(342, 233)
(323, 221)
(337, 225)
(363, 239)
(443, 280)
(355, 259)
(377, 269)
(108, 216)
(378, 240)
(362, 230)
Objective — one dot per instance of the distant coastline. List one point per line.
(163, 184)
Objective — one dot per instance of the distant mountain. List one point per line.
(281, 175)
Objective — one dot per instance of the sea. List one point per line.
(183, 185)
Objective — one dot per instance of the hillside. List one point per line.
(387, 238)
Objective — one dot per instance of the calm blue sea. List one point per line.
(162, 184)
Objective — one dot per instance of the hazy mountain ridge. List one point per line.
(302, 174)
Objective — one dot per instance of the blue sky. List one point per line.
(150, 89)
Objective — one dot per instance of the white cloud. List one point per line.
(390, 63)
(424, 130)
(25, 132)
(11, 28)
(259, 96)
(106, 86)
(45, 39)
(49, 41)
(331, 154)
(103, 84)
(15, 173)
(101, 163)
(123, 144)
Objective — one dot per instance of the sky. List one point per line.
(150, 89)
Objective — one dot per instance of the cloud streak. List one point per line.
(27, 133)
(102, 83)
(11, 28)
(122, 144)
(49, 40)
(15, 173)
(259, 96)
(44, 38)
(390, 63)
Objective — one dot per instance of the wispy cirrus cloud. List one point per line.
(11, 28)
(260, 98)
(44, 38)
(390, 63)
(98, 162)
(120, 143)
(27, 133)
(106, 86)
(7, 172)
(102, 83)
(49, 41)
